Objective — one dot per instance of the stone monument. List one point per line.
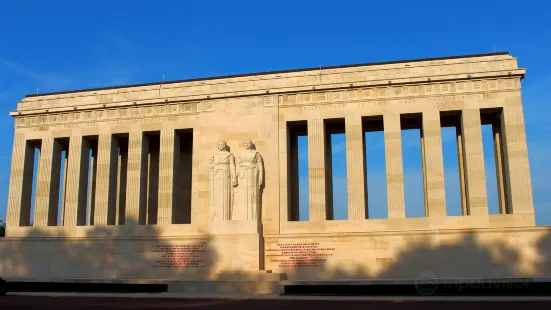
(129, 187)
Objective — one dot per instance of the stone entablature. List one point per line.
(469, 89)
(482, 67)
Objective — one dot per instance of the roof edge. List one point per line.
(266, 73)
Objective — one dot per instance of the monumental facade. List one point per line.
(197, 179)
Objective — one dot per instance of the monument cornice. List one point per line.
(167, 110)
(207, 101)
(284, 81)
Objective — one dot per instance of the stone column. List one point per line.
(316, 170)
(500, 172)
(64, 188)
(47, 183)
(475, 178)
(168, 169)
(518, 183)
(136, 189)
(355, 168)
(77, 182)
(461, 168)
(92, 181)
(122, 163)
(21, 182)
(424, 172)
(106, 188)
(152, 184)
(394, 166)
(435, 193)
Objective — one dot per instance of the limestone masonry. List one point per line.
(197, 180)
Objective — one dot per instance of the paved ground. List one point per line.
(71, 302)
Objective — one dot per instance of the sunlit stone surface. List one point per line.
(132, 183)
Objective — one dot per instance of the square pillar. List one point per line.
(136, 189)
(355, 168)
(106, 187)
(21, 182)
(122, 163)
(47, 183)
(518, 183)
(473, 158)
(169, 159)
(394, 166)
(316, 170)
(433, 164)
(77, 182)
(87, 214)
(500, 171)
(461, 168)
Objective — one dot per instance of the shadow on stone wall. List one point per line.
(111, 253)
(471, 262)
(126, 252)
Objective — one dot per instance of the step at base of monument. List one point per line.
(484, 286)
(244, 287)
(224, 284)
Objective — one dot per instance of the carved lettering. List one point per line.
(180, 256)
(406, 101)
(293, 255)
(372, 103)
(143, 120)
(323, 107)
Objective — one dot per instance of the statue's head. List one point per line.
(248, 144)
(221, 145)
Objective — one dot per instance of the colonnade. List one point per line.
(510, 150)
(107, 179)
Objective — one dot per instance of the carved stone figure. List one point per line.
(251, 178)
(222, 179)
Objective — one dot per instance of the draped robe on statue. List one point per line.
(221, 173)
(247, 195)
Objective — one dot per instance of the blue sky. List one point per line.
(65, 45)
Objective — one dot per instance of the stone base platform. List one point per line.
(419, 281)
(253, 283)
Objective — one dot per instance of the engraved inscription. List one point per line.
(323, 107)
(143, 120)
(294, 255)
(371, 103)
(180, 256)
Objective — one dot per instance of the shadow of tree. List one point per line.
(134, 252)
(470, 256)
(139, 254)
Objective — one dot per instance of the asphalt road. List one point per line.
(65, 302)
